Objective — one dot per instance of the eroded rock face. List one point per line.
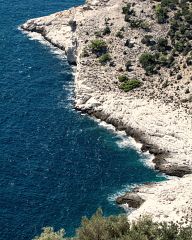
(62, 35)
(132, 199)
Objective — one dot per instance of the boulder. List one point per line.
(132, 199)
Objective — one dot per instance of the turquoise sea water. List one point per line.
(55, 164)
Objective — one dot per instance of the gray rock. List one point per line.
(132, 199)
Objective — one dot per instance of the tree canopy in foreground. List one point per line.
(99, 227)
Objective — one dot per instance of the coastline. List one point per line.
(162, 129)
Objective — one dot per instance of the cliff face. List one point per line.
(158, 113)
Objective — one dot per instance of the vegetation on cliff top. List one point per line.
(153, 45)
(99, 227)
(164, 51)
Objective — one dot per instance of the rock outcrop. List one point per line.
(132, 199)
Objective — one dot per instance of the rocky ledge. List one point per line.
(157, 113)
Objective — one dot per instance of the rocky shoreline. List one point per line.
(160, 155)
(146, 114)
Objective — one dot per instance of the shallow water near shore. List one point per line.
(56, 164)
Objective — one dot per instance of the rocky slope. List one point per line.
(158, 113)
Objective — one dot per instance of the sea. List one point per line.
(56, 165)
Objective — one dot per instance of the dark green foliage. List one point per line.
(162, 45)
(161, 13)
(99, 227)
(49, 234)
(105, 58)
(152, 62)
(107, 30)
(180, 46)
(165, 60)
(119, 34)
(130, 85)
(98, 46)
(148, 62)
(148, 40)
(172, 4)
(138, 23)
(180, 31)
(128, 11)
(122, 78)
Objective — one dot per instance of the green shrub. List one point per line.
(99, 227)
(122, 78)
(179, 46)
(148, 40)
(148, 62)
(162, 44)
(107, 30)
(98, 46)
(163, 60)
(127, 9)
(119, 34)
(138, 23)
(145, 26)
(161, 13)
(172, 4)
(105, 58)
(130, 85)
(49, 234)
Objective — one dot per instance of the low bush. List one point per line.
(130, 85)
(138, 23)
(161, 13)
(179, 46)
(122, 78)
(106, 30)
(98, 46)
(172, 4)
(49, 234)
(148, 40)
(105, 58)
(162, 45)
(99, 227)
(128, 11)
(119, 34)
(148, 62)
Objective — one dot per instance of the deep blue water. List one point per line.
(55, 164)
